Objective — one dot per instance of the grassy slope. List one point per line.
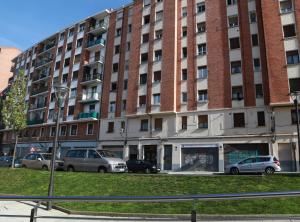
(28, 182)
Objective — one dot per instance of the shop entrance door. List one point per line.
(150, 153)
(286, 157)
(168, 157)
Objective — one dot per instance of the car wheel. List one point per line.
(147, 171)
(70, 169)
(102, 170)
(234, 171)
(44, 167)
(269, 170)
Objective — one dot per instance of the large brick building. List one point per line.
(189, 84)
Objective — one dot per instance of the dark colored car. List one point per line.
(6, 161)
(142, 166)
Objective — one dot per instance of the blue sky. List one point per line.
(26, 22)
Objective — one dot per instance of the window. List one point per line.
(201, 49)
(115, 67)
(118, 32)
(67, 62)
(128, 46)
(144, 125)
(77, 59)
(65, 78)
(254, 38)
(231, 2)
(184, 97)
(157, 55)
(75, 76)
(203, 122)
(69, 46)
(129, 28)
(73, 131)
(90, 129)
(113, 86)
(201, 27)
(236, 67)
(123, 105)
(202, 96)
(52, 98)
(235, 43)
(158, 34)
(292, 57)
(110, 127)
(184, 52)
(261, 119)
(256, 63)
(143, 79)
(201, 7)
(233, 21)
(81, 27)
(79, 43)
(142, 101)
(144, 57)
(259, 91)
(112, 107)
(286, 6)
(184, 74)
(71, 32)
(184, 31)
(157, 76)
(123, 125)
(158, 124)
(63, 131)
(253, 17)
(59, 50)
(51, 114)
(62, 36)
(184, 122)
(71, 110)
(125, 84)
(92, 108)
(146, 19)
(239, 120)
(117, 49)
(202, 72)
(294, 84)
(73, 93)
(184, 11)
(145, 38)
(53, 130)
(289, 31)
(294, 116)
(237, 93)
(57, 65)
(156, 99)
(159, 15)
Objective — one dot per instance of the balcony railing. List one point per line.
(37, 106)
(91, 77)
(44, 61)
(95, 42)
(99, 25)
(94, 60)
(93, 115)
(39, 90)
(35, 122)
(40, 76)
(47, 47)
(90, 96)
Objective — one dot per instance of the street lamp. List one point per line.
(60, 95)
(295, 97)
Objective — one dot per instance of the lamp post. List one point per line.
(295, 97)
(60, 94)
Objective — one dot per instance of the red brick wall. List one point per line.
(219, 86)
(246, 50)
(178, 75)
(278, 78)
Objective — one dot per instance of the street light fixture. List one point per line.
(295, 96)
(60, 95)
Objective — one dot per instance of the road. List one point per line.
(8, 210)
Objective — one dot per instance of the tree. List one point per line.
(15, 108)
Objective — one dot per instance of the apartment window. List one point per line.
(289, 31)
(79, 43)
(57, 65)
(202, 72)
(112, 107)
(184, 97)
(90, 129)
(233, 21)
(124, 105)
(159, 1)
(62, 36)
(67, 62)
(126, 65)
(157, 76)
(261, 119)
(294, 84)
(234, 43)
(237, 93)
(238, 120)
(73, 93)
(252, 17)
(65, 78)
(115, 67)
(201, 27)
(118, 32)
(142, 101)
(71, 110)
(159, 15)
(201, 49)
(202, 96)
(123, 125)
(77, 58)
(125, 84)
(156, 99)
(144, 125)
(184, 74)
(147, 3)
(53, 130)
(158, 124)
(292, 57)
(73, 131)
(256, 63)
(236, 67)
(158, 34)
(144, 57)
(128, 46)
(184, 31)
(201, 7)
(92, 108)
(52, 98)
(184, 52)
(259, 91)
(110, 127)
(113, 86)
(146, 19)
(254, 38)
(75, 75)
(157, 55)
(117, 49)
(69, 46)
(184, 11)
(59, 50)
(145, 38)
(71, 32)
(184, 122)
(63, 131)
(231, 2)
(143, 79)
(81, 27)
(286, 6)
(203, 122)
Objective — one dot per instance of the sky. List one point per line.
(26, 22)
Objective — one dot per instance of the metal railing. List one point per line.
(146, 199)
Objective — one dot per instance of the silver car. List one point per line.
(40, 161)
(93, 160)
(258, 164)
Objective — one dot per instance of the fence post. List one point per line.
(33, 212)
(194, 212)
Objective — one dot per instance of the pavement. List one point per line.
(9, 210)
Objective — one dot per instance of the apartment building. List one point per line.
(192, 85)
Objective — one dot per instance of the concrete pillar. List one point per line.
(162, 151)
(221, 158)
(126, 153)
(140, 151)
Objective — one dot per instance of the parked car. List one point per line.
(142, 166)
(6, 161)
(40, 161)
(93, 160)
(258, 164)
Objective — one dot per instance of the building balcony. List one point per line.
(91, 115)
(34, 122)
(98, 27)
(94, 43)
(40, 90)
(94, 61)
(40, 77)
(90, 97)
(47, 47)
(91, 79)
(37, 106)
(43, 62)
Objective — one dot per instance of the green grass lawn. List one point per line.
(31, 182)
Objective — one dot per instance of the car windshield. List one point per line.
(105, 153)
(47, 156)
